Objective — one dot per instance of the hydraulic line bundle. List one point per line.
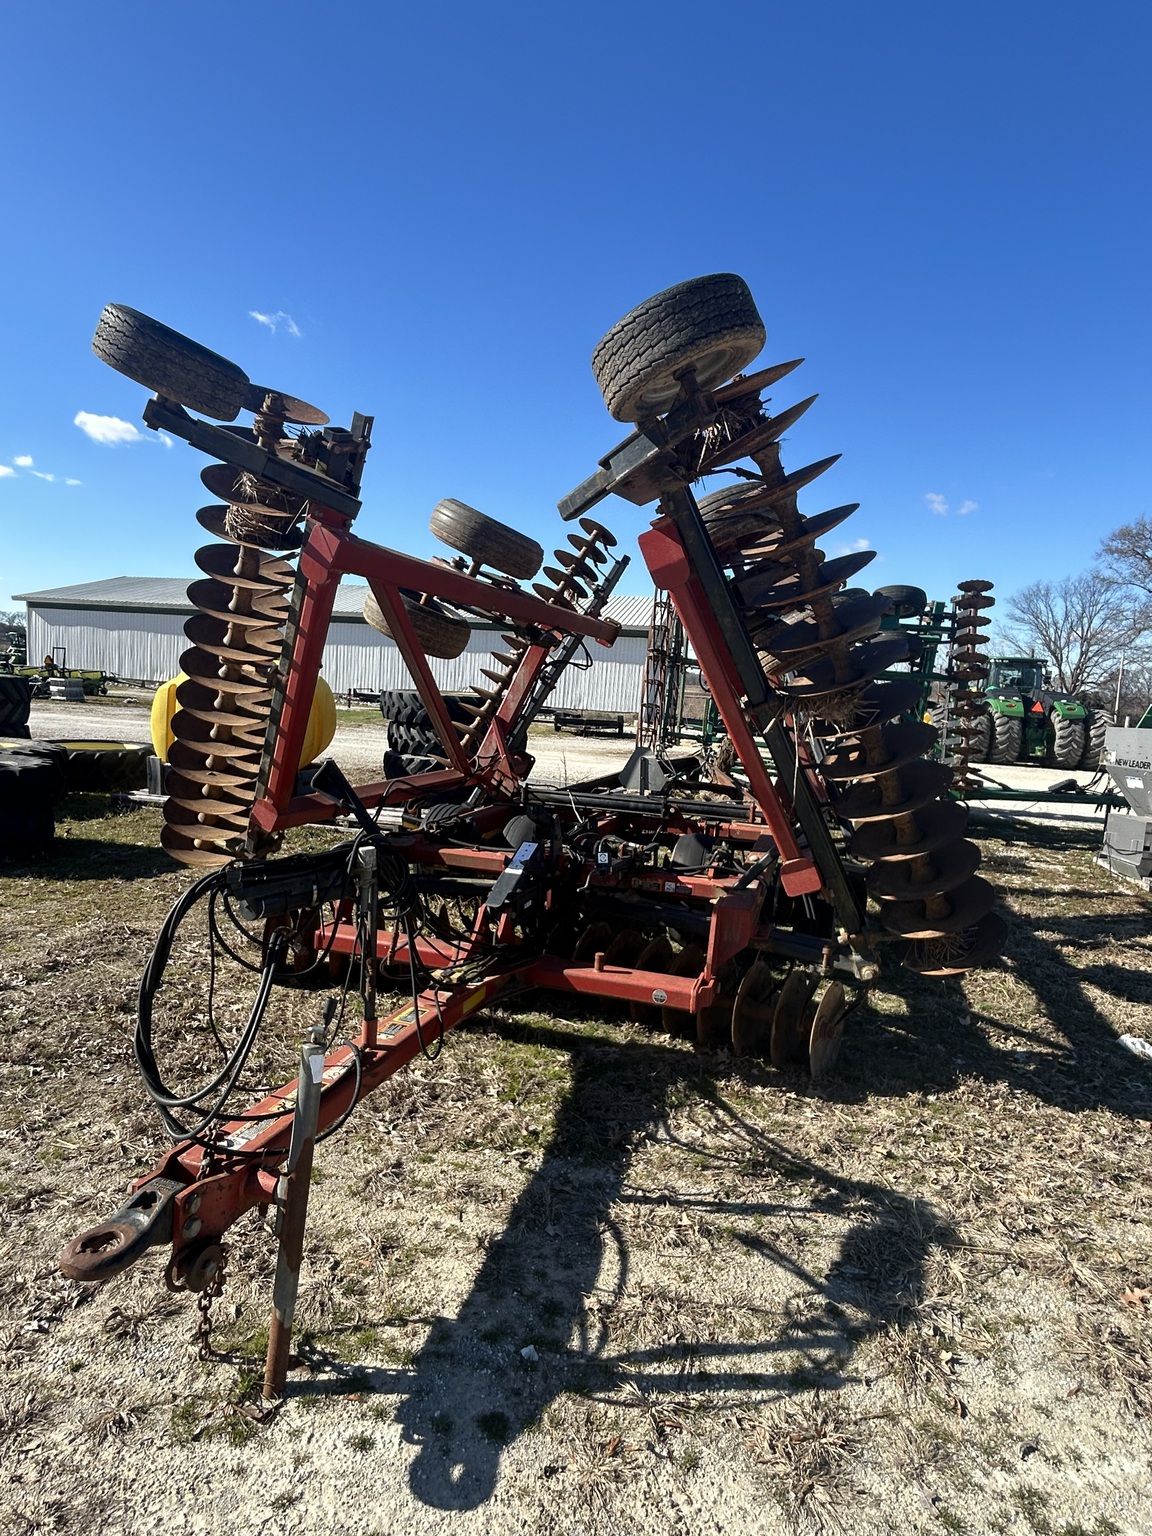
(730, 907)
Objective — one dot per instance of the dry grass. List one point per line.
(912, 1298)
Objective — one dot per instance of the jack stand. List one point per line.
(293, 1213)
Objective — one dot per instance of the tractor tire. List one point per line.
(1098, 723)
(439, 633)
(411, 741)
(406, 707)
(32, 784)
(1007, 737)
(482, 538)
(169, 364)
(15, 705)
(904, 602)
(982, 742)
(105, 767)
(402, 765)
(709, 323)
(1068, 741)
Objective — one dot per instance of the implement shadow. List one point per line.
(471, 1393)
(1061, 1047)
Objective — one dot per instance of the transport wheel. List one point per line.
(1007, 732)
(1068, 741)
(106, 767)
(169, 364)
(439, 633)
(708, 323)
(485, 540)
(904, 602)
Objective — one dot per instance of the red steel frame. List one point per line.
(243, 1170)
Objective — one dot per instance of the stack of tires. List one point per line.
(15, 704)
(413, 745)
(33, 781)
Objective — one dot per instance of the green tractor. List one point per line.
(1028, 722)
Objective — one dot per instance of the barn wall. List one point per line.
(148, 645)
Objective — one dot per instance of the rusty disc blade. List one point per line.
(857, 619)
(186, 850)
(939, 915)
(911, 787)
(196, 762)
(974, 586)
(198, 733)
(195, 791)
(248, 607)
(881, 702)
(767, 588)
(833, 675)
(928, 829)
(827, 1031)
(888, 747)
(929, 874)
(226, 677)
(230, 709)
(755, 437)
(597, 531)
(212, 825)
(247, 525)
(624, 948)
(810, 529)
(957, 953)
(754, 383)
(240, 566)
(235, 642)
(657, 955)
(283, 407)
(240, 489)
(791, 1028)
(752, 1011)
(593, 941)
(557, 599)
(689, 962)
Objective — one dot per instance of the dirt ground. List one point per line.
(915, 1298)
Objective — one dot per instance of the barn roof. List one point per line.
(168, 594)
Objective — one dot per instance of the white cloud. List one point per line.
(966, 507)
(40, 475)
(854, 548)
(937, 505)
(280, 321)
(109, 430)
(6, 473)
(69, 481)
(23, 461)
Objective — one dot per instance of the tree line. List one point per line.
(1095, 628)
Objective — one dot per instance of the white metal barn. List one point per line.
(133, 627)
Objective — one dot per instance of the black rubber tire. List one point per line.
(400, 765)
(406, 707)
(904, 602)
(1068, 741)
(1098, 722)
(411, 740)
(168, 363)
(15, 732)
(982, 744)
(105, 767)
(32, 784)
(1007, 736)
(482, 538)
(708, 322)
(15, 703)
(438, 632)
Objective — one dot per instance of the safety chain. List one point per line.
(207, 1296)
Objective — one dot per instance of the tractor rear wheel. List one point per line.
(1067, 741)
(1007, 734)
(981, 739)
(1098, 723)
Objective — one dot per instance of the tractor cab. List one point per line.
(1016, 674)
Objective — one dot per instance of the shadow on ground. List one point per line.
(470, 1393)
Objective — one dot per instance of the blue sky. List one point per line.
(944, 209)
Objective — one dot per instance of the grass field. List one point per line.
(915, 1298)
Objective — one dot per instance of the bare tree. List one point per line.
(1127, 554)
(1081, 625)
